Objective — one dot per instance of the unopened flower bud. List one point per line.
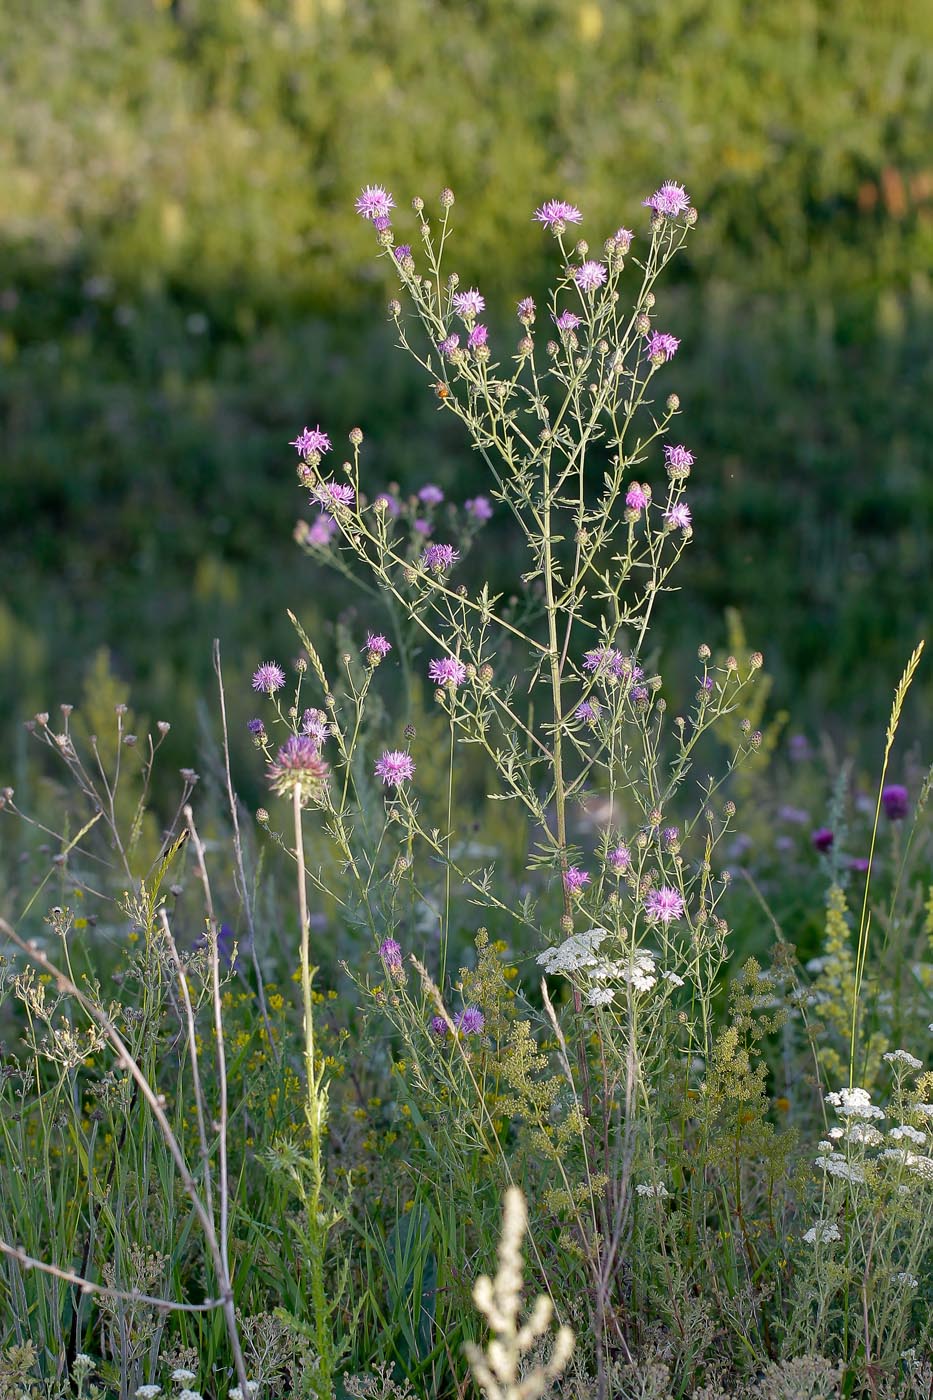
(643, 324)
(526, 345)
(703, 652)
(756, 661)
(566, 924)
(163, 726)
(42, 719)
(731, 664)
(301, 665)
(262, 816)
(409, 731)
(356, 436)
(447, 198)
(756, 739)
(691, 217)
(395, 309)
(417, 204)
(649, 300)
(673, 403)
(728, 809)
(745, 725)
(485, 674)
(130, 740)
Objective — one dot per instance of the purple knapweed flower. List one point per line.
(256, 726)
(798, 816)
(671, 199)
(449, 344)
(557, 211)
(576, 880)
(706, 683)
(619, 859)
(299, 766)
(438, 1026)
(391, 953)
(470, 1021)
(423, 527)
(381, 222)
(314, 724)
(377, 644)
(430, 495)
(402, 251)
(822, 838)
(799, 746)
(638, 693)
(526, 310)
(268, 678)
(636, 497)
(605, 661)
(677, 459)
(895, 800)
(322, 531)
(661, 346)
(678, 517)
(588, 711)
(566, 321)
(670, 836)
(447, 670)
(333, 493)
(589, 276)
(395, 767)
(479, 507)
(624, 238)
(439, 557)
(311, 440)
(469, 304)
(664, 905)
(478, 336)
(374, 202)
(859, 864)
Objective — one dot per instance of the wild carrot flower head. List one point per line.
(447, 670)
(395, 767)
(469, 303)
(430, 495)
(377, 645)
(311, 440)
(896, 801)
(299, 766)
(636, 497)
(479, 507)
(557, 211)
(470, 1021)
(478, 336)
(589, 276)
(566, 321)
(438, 558)
(268, 678)
(663, 905)
(374, 202)
(334, 493)
(576, 880)
(678, 517)
(671, 199)
(661, 347)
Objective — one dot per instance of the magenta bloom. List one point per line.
(256, 726)
(391, 953)
(333, 493)
(423, 527)
(557, 211)
(859, 864)
(677, 459)
(624, 238)
(822, 838)
(605, 661)
(374, 202)
(479, 507)
(636, 498)
(314, 725)
(430, 494)
(449, 344)
(670, 200)
(664, 905)
(469, 303)
(402, 251)
(576, 880)
(439, 557)
(566, 321)
(526, 310)
(478, 336)
(470, 1021)
(376, 642)
(678, 517)
(395, 767)
(269, 678)
(322, 531)
(590, 276)
(619, 859)
(662, 346)
(298, 765)
(447, 671)
(588, 711)
(311, 440)
(895, 800)
(438, 1026)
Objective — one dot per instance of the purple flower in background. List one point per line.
(566, 321)
(391, 503)
(798, 816)
(423, 527)
(671, 199)
(557, 211)
(895, 800)
(620, 859)
(822, 838)
(447, 671)
(268, 678)
(479, 507)
(377, 644)
(636, 497)
(449, 344)
(624, 238)
(589, 711)
(478, 336)
(526, 310)
(589, 276)
(662, 346)
(322, 531)
(374, 202)
(678, 517)
(799, 746)
(677, 459)
(439, 557)
(256, 726)
(438, 1026)
(391, 954)
(226, 942)
(395, 767)
(333, 493)
(576, 880)
(314, 724)
(859, 864)
(402, 251)
(664, 905)
(430, 494)
(469, 303)
(470, 1021)
(311, 440)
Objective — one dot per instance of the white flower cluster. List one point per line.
(647, 1188)
(905, 1280)
(578, 953)
(148, 1392)
(854, 1103)
(913, 1135)
(903, 1057)
(823, 1232)
(914, 1162)
(836, 1165)
(581, 953)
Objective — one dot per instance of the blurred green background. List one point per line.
(184, 284)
